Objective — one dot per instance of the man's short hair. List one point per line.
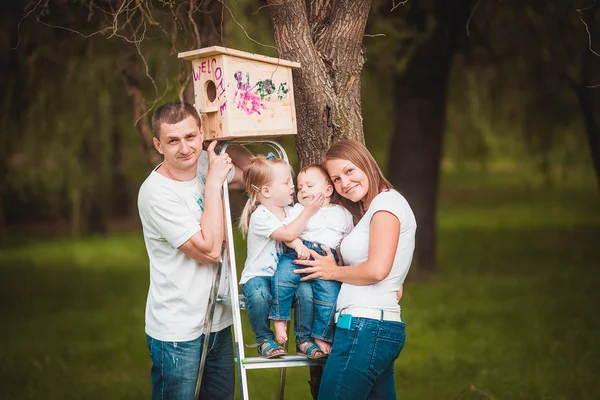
(172, 113)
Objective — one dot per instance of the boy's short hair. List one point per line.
(321, 169)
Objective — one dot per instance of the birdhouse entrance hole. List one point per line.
(211, 90)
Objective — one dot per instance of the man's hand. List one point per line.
(218, 166)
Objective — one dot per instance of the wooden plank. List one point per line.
(218, 50)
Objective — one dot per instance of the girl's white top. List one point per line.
(355, 250)
(263, 251)
(328, 226)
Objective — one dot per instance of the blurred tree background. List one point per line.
(485, 114)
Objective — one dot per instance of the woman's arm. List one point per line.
(384, 233)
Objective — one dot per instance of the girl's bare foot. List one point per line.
(280, 331)
(325, 346)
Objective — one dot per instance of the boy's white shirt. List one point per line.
(328, 226)
(170, 212)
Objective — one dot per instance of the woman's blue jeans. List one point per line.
(258, 291)
(325, 293)
(361, 363)
(175, 366)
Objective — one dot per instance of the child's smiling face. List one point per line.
(311, 183)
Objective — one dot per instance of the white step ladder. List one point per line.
(237, 303)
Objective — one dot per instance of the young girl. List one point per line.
(326, 228)
(268, 182)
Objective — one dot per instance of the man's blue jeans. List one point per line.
(361, 363)
(257, 291)
(175, 368)
(325, 293)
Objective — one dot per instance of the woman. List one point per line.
(377, 253)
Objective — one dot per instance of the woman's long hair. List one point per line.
(359, 155)
(258, 174)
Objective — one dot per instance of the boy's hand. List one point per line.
(399, 294)
(303, 252)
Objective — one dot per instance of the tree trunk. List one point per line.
(585, 94)
(326, 38)
(419, 120)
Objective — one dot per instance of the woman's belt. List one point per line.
(372, 313)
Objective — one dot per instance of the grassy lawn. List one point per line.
(511, 309)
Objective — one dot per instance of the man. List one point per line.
(181, 210)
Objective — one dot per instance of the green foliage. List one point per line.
(510, 311)
(510, 98)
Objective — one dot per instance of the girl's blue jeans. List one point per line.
(361, 363)
(258, 295)
(285, 283)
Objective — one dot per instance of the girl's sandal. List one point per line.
(311, 351)
(270, 349)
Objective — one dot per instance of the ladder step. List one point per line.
(226, 301)
(281, 362)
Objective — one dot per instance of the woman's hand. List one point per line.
(322, 267)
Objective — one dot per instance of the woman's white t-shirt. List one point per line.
(355, 250)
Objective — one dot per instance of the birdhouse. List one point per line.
(242, 95)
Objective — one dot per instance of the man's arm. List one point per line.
(205, 246)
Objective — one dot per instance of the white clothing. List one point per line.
(328, 226)
(263, 251)
(177, 301)
(355, 250)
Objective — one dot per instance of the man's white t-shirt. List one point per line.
(177, 301)
(263, 252)
(355, 250)
(328, 226)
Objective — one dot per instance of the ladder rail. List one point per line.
(212, 300)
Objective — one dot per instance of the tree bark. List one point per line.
(419, 119)
(326, 38)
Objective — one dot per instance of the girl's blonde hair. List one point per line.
(259, 173)
(359, 155)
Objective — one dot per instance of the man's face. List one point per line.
(312, 183)
(180, 143)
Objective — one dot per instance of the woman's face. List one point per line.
(349, 181)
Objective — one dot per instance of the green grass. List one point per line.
(511, 310)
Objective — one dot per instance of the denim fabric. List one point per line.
(325, 293)
(175, 368)
(258, 303)
(361, 363)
